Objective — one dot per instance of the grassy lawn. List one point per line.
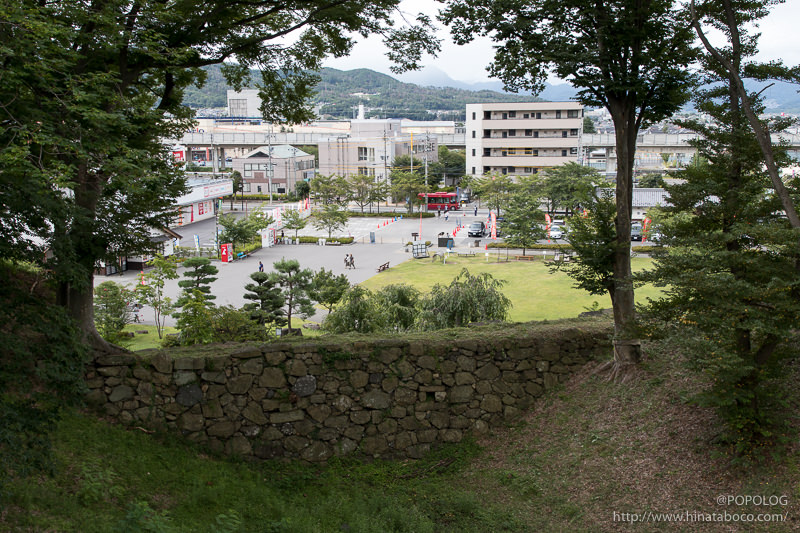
(144, 341)
(535, 293)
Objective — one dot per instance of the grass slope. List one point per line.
(590, 448)
(535, 293)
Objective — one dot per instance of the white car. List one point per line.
(556, 232)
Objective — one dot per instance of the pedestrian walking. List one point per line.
(347, 260)
(352, 262)
(260, 266)
(446, 215)
(476, 210)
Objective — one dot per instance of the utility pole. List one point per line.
(269, 165)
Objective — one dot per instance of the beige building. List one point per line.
(371, 147)
(521, 139)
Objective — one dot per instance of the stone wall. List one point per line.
(380, 398)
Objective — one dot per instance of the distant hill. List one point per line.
(430, 94)
(340, 92)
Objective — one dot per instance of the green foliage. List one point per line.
(302, 189)
(593, 237)
(569, 187)
(294, 220)
(652, 181)
(330, 190)
(195, 320)
(523, 225)
(236, 325)
(451, 163)
(241, 230)
(90, 93)
(731, 269)
(355, 312)
(268, 301)
(494, 189)
(295, 283)
(98, 484)
(361, 190)
(152, 292)
(407, 186)
(467, 299)
(141, 518)
(588, 125)
(397, 306)
(327, 289)
(41, 371)
(330, 218)
(111, 312)
(199, 274)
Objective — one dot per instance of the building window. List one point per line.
(487, 134)
(573, 150)
(572, 113)
(528, 133)
(505, 116)
(473, 134)
(573, 133)
(473, 170)
(527, 170)
(535, 134)
(487, 115)
(512, 114)
(563, 153)
(473, 152)
(473, 115)
(538, 115)
(564, 133)
(487, 152)
(526, 115)
(512, 133)
(558, 114)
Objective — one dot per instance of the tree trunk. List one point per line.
(627, 350)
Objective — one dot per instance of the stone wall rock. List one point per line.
(316, 400)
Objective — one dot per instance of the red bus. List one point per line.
(441, 201)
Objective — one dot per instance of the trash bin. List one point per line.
(442, 242)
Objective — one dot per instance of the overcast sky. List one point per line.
(779, 40)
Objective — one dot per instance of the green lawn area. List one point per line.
(144, 341)
(535, 293)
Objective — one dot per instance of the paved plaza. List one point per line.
(390, 239)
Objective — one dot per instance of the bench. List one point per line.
(526, 258)
(242, 255)
(466, 254)
(383, 266)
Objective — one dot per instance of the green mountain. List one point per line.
(340, 92)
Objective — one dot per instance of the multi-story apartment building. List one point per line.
(521, 139)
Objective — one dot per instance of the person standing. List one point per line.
(476, 210)
(260, 266)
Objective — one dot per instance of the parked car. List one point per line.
(476, 229)
(556, 232)
(636, 231)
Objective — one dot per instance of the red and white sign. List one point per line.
(179, 155)
(226, 253)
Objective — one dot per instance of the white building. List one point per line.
(276, 167)
(523, 138)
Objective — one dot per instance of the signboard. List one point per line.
(197, 242)
(226, 253)
(218, 189)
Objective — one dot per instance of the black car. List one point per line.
(476, 229)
